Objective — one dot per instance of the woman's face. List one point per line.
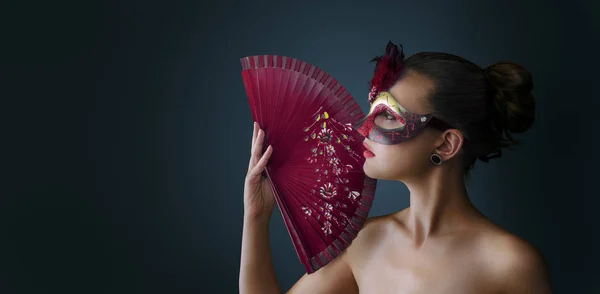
(409, 158)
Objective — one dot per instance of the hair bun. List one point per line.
(513, 100)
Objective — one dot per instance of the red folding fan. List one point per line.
(316, 168)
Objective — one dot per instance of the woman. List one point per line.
(443, 113)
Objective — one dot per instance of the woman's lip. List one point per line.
(368, 153)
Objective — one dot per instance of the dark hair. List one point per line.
(487, 105)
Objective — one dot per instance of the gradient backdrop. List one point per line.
(128, 132)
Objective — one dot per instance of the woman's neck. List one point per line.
(438, 203)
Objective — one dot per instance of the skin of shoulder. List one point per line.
(337, 276)
(373, 234)
(509, 263)
(514, 264)
(374, 229)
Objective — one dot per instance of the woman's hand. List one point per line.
(258, 196)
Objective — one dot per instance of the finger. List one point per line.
(254, 131)
(256, 149)
(262, 163)
(257, 152)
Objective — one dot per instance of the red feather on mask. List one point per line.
(387, 69)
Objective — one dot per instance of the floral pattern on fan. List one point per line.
(329, 133)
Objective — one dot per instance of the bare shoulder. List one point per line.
(338, 276)
(375, 234)
(375, 229)
(512, 262)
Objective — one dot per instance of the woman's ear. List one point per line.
(449, 144)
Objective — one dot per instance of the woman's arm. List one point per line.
(256, 269)
(257, 274)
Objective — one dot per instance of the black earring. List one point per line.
(436, 159)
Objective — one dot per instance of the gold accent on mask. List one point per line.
(388, 100)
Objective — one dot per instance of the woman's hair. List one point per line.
(486, 105)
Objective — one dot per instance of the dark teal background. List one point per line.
(126, 131)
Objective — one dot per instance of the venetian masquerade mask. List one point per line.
(388, 122)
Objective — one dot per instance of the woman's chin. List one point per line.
(374, 171)
(369, 171)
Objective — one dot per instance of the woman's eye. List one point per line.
(388, 116)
